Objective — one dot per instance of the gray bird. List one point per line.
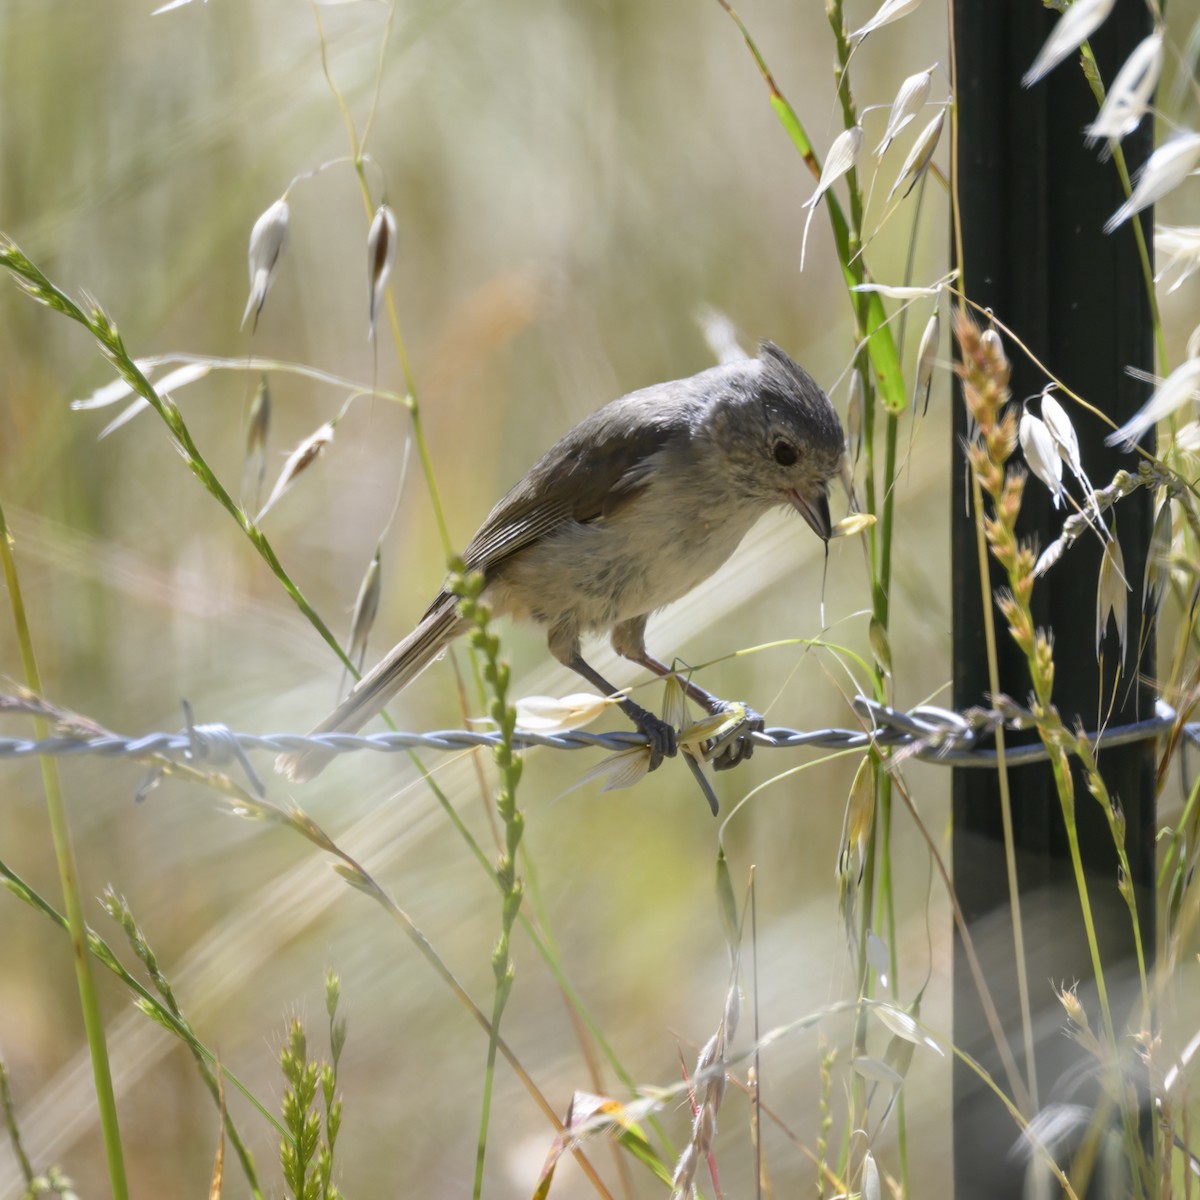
(634, 507)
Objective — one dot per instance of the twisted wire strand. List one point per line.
(931, 734)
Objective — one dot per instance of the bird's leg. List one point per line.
(731, 747)
(659, 732)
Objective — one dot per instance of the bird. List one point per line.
(630, 510)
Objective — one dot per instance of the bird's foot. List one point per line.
(664, 742)
(735, 745)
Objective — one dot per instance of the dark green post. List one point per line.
(1034, 202)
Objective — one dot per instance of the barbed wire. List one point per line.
(928, 733)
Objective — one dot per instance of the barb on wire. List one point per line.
(926, 732)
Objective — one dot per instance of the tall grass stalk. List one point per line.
(68, 874)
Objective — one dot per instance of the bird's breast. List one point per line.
(652, 551)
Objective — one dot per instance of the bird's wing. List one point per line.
(599, 466)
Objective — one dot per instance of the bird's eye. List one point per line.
(785, 453)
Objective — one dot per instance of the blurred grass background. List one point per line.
(572, 183)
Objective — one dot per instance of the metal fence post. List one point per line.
(1034, 201)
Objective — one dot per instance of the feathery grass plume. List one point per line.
(1072, 29)
(920, 154)
(909, 101)
(1112, 595)
(926, 354)
(299, 460)
(268, 239)
(843, 154)
(854, 416)
(1041, 454)
(1161, 173)
(381, 253)
(1128, 98)
(1182, 385)
(888, 11)
(258, 426)
(366, 608)
(1180, 246)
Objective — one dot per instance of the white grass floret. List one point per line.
(1180, 246)
(843, 154)
(1172, 394)
(1163, 171)
(267, 241)
(888, 11)
(1128, 99)
(1073, 28)
(909, 101)
(919, 156)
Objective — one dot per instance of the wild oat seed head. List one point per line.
(268, 239)
(842, 156)
(1180, 246)
(1162, 172)
(1128, 98)
(1180, 387)
(1041, 455)
(919, 156)
(854, 415)
(298, 461)
(381, 253)
(926, 355)
(1073, 28)
(909, 101)
(888, 11)
(1112, 593)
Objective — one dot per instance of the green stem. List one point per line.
(68, 874)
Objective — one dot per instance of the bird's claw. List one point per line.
(735, 745)
(663, 737)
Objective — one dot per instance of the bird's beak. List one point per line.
(815, 510)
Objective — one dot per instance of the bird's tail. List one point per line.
(440, 625)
